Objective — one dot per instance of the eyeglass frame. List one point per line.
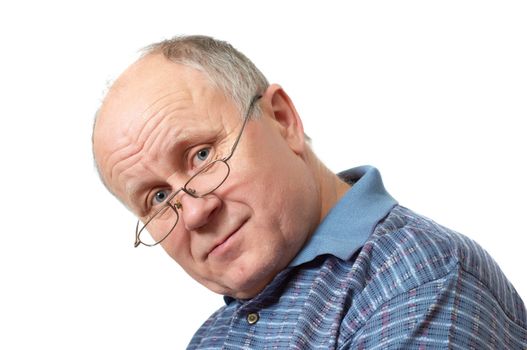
(190, 191)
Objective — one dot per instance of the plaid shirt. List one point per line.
(375, 275)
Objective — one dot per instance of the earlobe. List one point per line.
(284, 113)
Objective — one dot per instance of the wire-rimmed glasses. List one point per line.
(204, 182)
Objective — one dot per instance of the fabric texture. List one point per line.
(401, 281)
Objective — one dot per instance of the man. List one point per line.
(215, 163)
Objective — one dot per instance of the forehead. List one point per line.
(150, 95)
(146, 82)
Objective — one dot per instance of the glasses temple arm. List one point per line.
(247, 116)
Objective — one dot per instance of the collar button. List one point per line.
(252, 318)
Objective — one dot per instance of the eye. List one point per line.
(160, 197)
(201, 156)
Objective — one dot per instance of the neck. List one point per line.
(331, 187)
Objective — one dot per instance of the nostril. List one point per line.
(214, 211)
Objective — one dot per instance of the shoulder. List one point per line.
(407, 251)
(430, 286)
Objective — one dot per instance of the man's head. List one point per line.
(166, 117)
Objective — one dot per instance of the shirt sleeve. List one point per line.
(455, 312)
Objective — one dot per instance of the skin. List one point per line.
(153, 122)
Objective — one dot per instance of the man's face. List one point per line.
(159, 123)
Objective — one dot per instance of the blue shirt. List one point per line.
(376, 275)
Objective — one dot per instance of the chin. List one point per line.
(245, 283)
(246, 292)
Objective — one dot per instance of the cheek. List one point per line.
(177, 246)
(298, 210)
(284, 195)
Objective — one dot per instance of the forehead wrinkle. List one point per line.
(153, 121)
(127, 137)
(170, 134)
(129, 153)
(145, 148)
(137, 140)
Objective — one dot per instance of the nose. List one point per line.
(198, 212)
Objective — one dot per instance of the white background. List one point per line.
(432, 93)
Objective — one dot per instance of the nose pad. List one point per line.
(178, 204)
(175, 200)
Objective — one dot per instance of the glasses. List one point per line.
(159, 226)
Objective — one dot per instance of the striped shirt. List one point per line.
(376, 275)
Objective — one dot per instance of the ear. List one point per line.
(287, 119)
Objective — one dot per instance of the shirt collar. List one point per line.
(351, 221)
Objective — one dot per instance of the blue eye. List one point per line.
(203, 154)
(160, 197)
(200, 157)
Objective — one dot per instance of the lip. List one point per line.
(215, 250)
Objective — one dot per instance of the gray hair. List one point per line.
(228, 69)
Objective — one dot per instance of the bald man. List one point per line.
(214, 162)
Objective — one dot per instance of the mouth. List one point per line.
(222, 246)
